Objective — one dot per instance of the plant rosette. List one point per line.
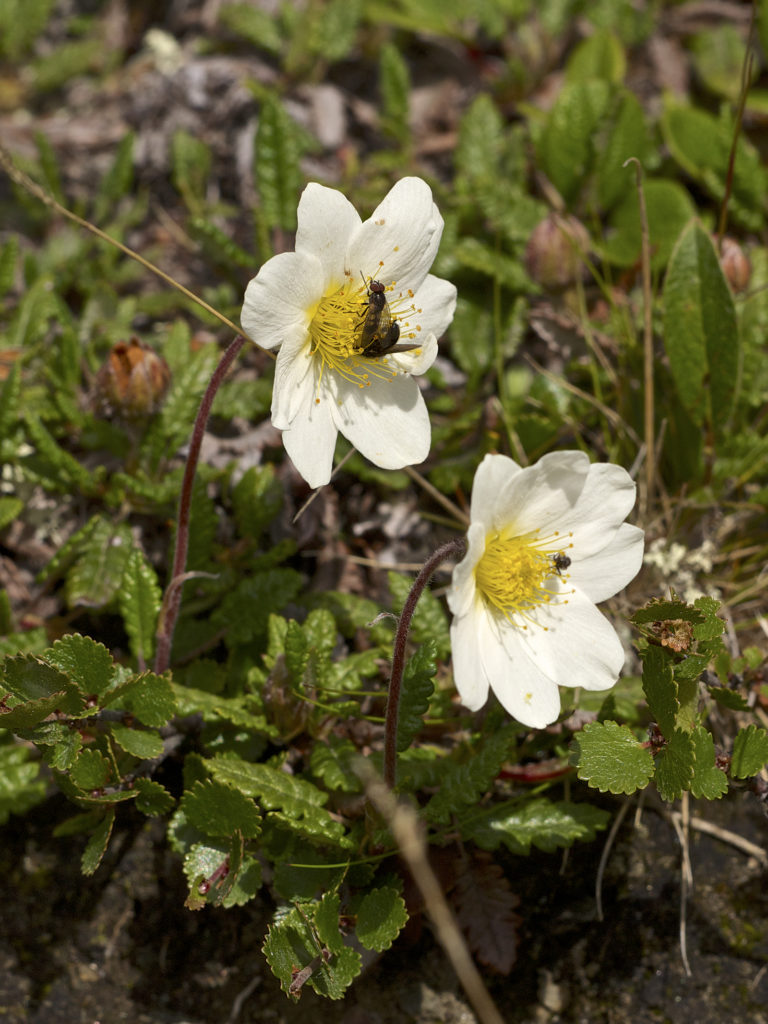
(545, 545)
(326, 309)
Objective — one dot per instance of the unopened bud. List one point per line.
(133, 381)
(554, 255)
(735, 264)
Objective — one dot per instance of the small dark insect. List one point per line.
(560, 563)
(379, 332)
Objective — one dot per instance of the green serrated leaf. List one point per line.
(600, 55)
(380, 918)
(148, 697)
(300, 801)
(750, 752)
(97, 844)
(395, 88)
(728, 698)
(139, 599)
(95, 578)
(10, 399)
(296, 652)
(257, 499)
(260, 28)
(330, 761)
(276, 165)
(292, 944)
(139, 742)
(463, 784)
(202, 864)
(87, 663)
(674, 766)
(91, 770)
(610, 758)
(660, 688)
(9, 256)
(153, 799)
(327, 922)
(708, 780)
(700, 330)
(191, 161)
(21, 786)
(245, 610)
(219, 810)
(416, 689)
(27, 715)
(669, 208)
(10, 509)
(30, 678)
(539, 822)
(566, 147)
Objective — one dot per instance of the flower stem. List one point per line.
(169, 611)
(453, 547)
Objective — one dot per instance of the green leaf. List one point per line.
(148, 697)
(708, 780)
(95, 578)
(395, 88)
(600, 55)
(30, 678)
(219, 810)
(750, 752)
(292, 944)
(481, 143)
(327, 922)
(10, 509)
(191, 163)
(669, 208)
(538, 822)
(60, 470)
(245, 610)
(463, 784)
(300, 801)
(87, 663)
(10, 399)
(257, 499)
(660, 688)
(97, 844)
(700, 331)
(417, 687)
(118, 179)
(674, 766)
(29, 714)
(21, 786)
(146, 745)
(609, 758)
(627, 136)
(139, 599)
(153, 799)
(276, 165)
(260, 28)
(330, 761)
(91, 770)
(380, 918)
(429, 621)
(566, 148)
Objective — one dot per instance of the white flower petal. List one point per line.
(400, 240)
(543, 496)
(311, 440)
(467, 640)
(295, 384)
(435, 302)
(388, 422)
(609, 571)
(279, 300)
(573, 644)
(326, 223)
(462, 592)
(521, 687)
(418, 360)
(491, 478)
(604, 503)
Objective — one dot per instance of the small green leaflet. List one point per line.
(750, 752)
(609, 757)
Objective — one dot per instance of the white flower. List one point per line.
(545, 544)
(315, 302)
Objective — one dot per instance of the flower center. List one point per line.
(517, 573)
(336, 335)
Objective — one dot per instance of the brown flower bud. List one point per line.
(133, 381)
(554, 255)
(735, 264)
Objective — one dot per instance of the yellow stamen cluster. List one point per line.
(515, 574)
(334, 333)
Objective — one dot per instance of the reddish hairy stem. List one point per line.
(453, 547)
(169, 612)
